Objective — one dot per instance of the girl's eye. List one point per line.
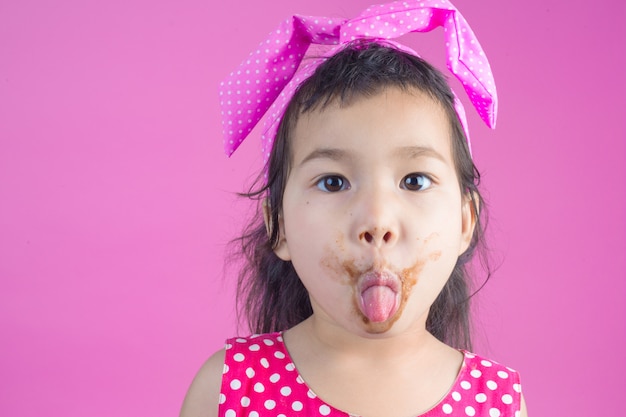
(416, 182)
(333, 183)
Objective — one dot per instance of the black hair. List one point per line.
(270, 294)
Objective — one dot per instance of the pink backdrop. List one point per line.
(116, 200)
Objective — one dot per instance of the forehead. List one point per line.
(380, 123)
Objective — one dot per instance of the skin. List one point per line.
(373, 184)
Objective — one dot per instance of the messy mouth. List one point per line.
(378, 295)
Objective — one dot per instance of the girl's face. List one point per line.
(373, 219)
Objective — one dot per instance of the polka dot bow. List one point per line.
(268, 78)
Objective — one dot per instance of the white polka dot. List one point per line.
(238, 357)
(447, 409)
(310, 394)
(270, 404)
(253, 414)
(274, 378)
(254, 348)
(285, 391)
(222, 398)
(517, 387)
(456, 396)
(245, 401)
(476, 373)
(503, 374)
(297, 406)
(240, 340)
(279, 355)
(258, 387)
(481, 398)
(324, 410)
(235, 384)
(466, 385)
(268, 342)
(230, 413)
(250, 372)
(290, 367)
(299, 380)
(265, 363)
(226, 369)
(507, 399)
(469, 410)
(492, 385)
(494, 412)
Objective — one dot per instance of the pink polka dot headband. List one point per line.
(269, 77)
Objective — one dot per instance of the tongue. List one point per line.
(378, 303)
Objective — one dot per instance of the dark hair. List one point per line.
(270, 294)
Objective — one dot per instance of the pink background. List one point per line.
(116, 200)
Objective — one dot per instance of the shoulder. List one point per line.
(203, 395)
(489, 385)
(224, 366)
(486, 369)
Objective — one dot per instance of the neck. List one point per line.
(320, 336)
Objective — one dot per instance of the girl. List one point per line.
(355, 281)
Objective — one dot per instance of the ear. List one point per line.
(469, 217)
(281, 249)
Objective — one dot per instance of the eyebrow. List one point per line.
(413, 152)
(326, 153)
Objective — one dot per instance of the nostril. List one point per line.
(387, 237)
(367, 236)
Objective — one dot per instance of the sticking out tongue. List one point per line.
(378, 303)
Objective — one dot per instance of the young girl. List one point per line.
(355, 281)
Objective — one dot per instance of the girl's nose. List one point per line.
(377, 236)
(377, 214)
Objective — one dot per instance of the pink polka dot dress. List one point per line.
(260, 379)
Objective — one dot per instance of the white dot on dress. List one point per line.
(270, 404)
(494, 412)
(235, 384)
(481, 398)
(230, 413)
(297, 406)
(258, 387)
(447, 408)
(469, 410)
(324, 410)
(507, 399)
(239, 357)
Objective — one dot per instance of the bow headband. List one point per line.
(268, 79)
